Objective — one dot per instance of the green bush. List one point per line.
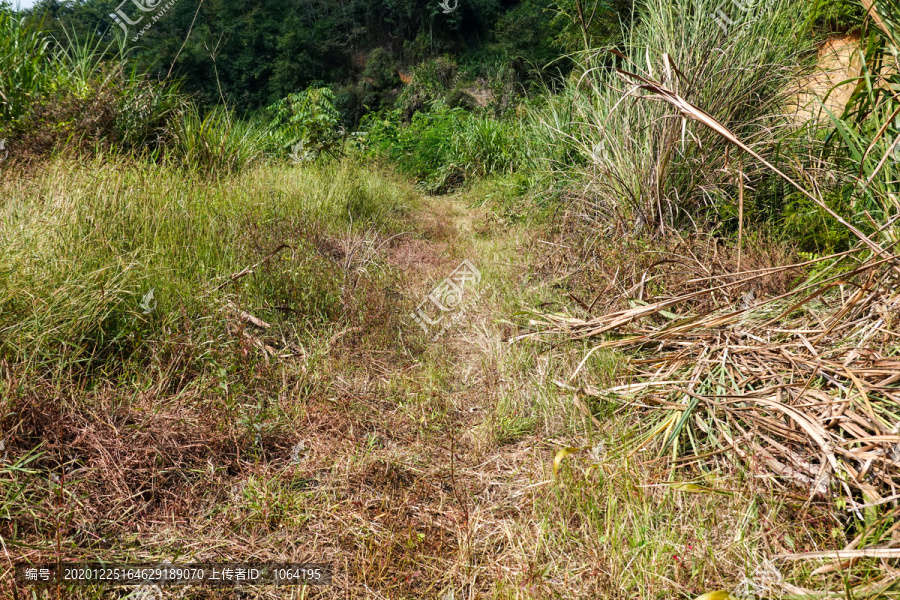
(443, 147)
(431, 81)
(380, 80)
(485, 146)
(84, 98)
(640, 161)
(838, 15)
(307, 124)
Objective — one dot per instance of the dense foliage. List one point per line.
(449, 92)
(251, 56)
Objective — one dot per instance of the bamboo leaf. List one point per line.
(561, 455)
(720, 595)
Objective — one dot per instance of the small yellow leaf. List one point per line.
(688, 487)
(720, 595)
(684, 486)
(562, 454)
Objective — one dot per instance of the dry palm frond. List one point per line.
(805, 384)
(808, 387)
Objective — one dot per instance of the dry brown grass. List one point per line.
(602, 273)
(418, 467)
(795, 380)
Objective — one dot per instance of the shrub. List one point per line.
(641, 161)
(442, 147)
(838, 15)
(77, 98)
(307, 124)
(381, 70)
(431, 81)
(486, 146)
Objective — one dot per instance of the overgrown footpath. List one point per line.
(228, 370)
(657, 352)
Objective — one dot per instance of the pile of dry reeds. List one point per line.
(806, 382)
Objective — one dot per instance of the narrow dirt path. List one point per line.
(408, 461)
(450, 493)
(440, 484)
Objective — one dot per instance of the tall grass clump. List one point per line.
(108, 260)
(84, 96)
(25, 67)
(78, 94)
(217, 141)
(861, 153)
(639, 160)
(866, 136)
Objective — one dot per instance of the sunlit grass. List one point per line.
(86, 243)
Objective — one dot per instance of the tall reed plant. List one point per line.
(866, 136)
(26, 67)
(642, 161)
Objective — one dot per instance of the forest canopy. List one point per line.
(252, 56)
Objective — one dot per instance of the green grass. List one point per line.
(24, 60)
(87, 242)
(81, 97)
(444, 148)
(217, 142)
(639, 161)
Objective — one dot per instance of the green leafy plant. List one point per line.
(25, 66)
(866, 136)
(444, 146)
(837, 15)
(307, 122)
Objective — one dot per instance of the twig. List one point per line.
(249, 270)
